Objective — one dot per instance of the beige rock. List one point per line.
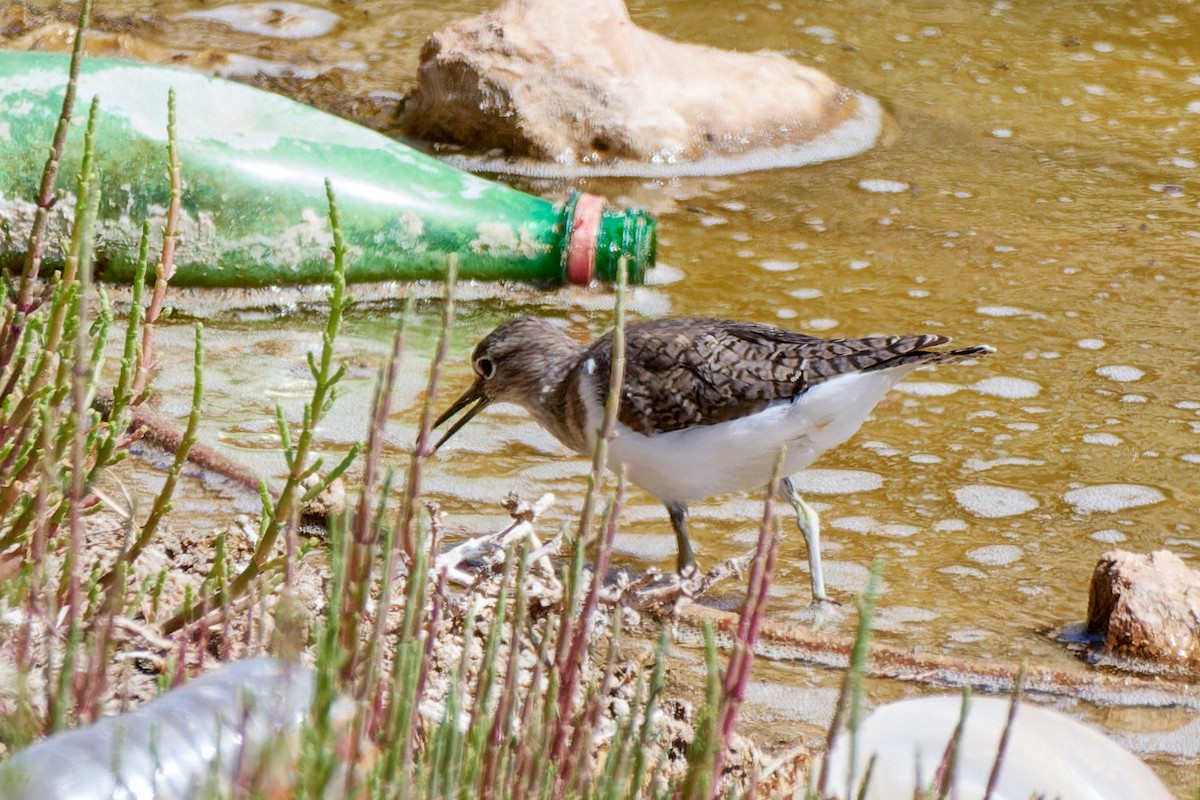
(579, 84)
(1147, 607)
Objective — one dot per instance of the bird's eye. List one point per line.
(484, 367)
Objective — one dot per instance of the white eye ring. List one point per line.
(484, 367)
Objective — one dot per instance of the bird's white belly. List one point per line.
(694, 463)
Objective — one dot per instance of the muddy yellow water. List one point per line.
(1036, 190)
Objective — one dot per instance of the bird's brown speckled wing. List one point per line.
(684, 372)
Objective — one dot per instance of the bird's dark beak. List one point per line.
(473, 395)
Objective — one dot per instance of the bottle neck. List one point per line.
(597, 238)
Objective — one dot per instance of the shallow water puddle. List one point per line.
(1035, 190)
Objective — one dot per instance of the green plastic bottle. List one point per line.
(254, 208)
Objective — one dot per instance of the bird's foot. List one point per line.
(823, 611)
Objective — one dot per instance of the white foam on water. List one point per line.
(771, 265)
(1106, 439)
(900, 618)
(880, 448)
(815, 706)
(927, 388)
(982, 465)
(276, 20)
(882, 186)
(869, 525)
(805, 294)
(854, 524)
(1108, 536)
(1113, 497)
(1091, 344)
(995, 555)
(485, 491)
(558, 469)
(925, 458)
(994, 501)
(1121, 373)
(1190, 458)
(836, 481)
(645, 546)
(897, 530)
(950, 525)
(1008, 311)
(969, 636)
(1007, 388)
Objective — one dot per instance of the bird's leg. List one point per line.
(810, 525)
(685, 562)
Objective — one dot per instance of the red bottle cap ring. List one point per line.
(585, 231)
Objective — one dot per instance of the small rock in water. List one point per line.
(1147, 607)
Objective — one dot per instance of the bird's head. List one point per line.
(512, 364)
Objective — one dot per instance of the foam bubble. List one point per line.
(771, 265)
(950, 525)
(1007, 311)
(277, 20)
(1007, 388)
(1121, 373)
(1108, 536)
(1113, 497)
(983, 465)
(836, 481)
(870, 525)
(995, 555)
(994, 501)
(855, 524)
(881, 186)
(897, 530)
(646, 546)
(927, 388)
(1106, 439)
